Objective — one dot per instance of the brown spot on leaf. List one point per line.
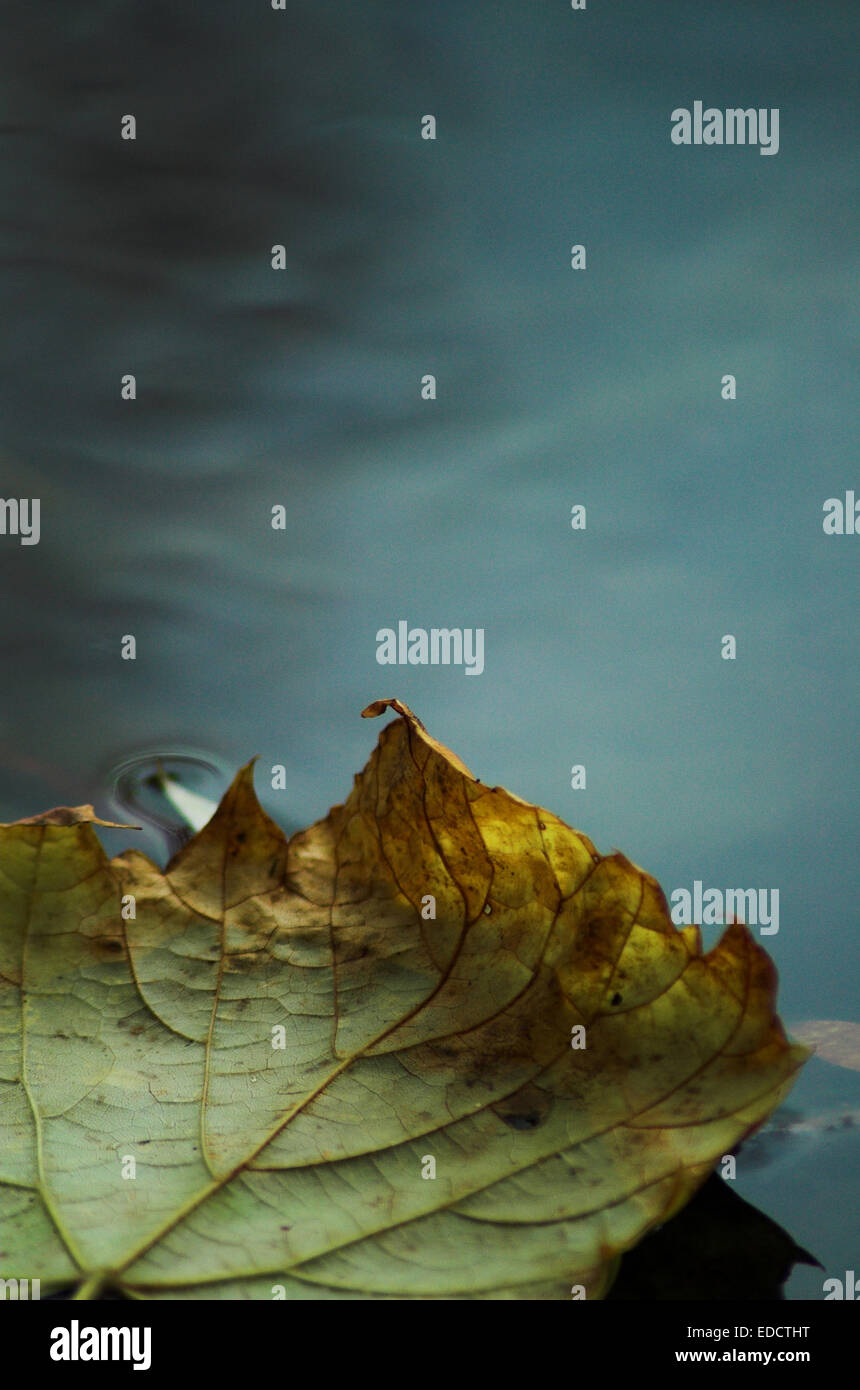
(526, 1108)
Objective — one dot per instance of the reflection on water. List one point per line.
(141, 786)
(791, 1133)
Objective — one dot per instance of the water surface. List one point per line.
(301, 388)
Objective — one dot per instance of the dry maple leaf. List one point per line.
(283, 1036)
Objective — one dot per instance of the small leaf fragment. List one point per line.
(835, 1040)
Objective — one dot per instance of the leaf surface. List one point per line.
(835, 1040)
(264, 1170)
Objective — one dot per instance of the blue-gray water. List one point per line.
(555, 387)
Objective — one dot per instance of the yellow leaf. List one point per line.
(435, 1046)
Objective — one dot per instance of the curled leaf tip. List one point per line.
(411, 719)
(377, 707)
